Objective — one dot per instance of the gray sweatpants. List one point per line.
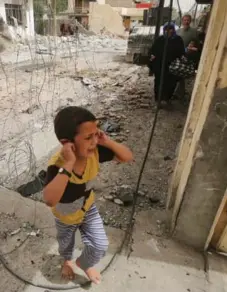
(93, 236)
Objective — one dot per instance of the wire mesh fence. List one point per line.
(40, 73)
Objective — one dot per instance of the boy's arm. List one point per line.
(54, 190)
(57, 183)
(121, 152)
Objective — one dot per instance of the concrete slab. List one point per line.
(156, 263)
(217, 273)
(139, 274)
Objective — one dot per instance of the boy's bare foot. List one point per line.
(67, 271)
(92, 274)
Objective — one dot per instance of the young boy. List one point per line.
(193, 53)
(67, 190)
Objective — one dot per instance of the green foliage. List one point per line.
(39, 10)
(38, 16)
(61, 5)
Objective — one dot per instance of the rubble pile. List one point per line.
(5, 36)
(27, 49)
(81, 42)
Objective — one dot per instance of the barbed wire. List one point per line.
(33, 95)
(34, 88)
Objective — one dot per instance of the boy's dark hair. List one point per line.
(195, 42)
(68, 120)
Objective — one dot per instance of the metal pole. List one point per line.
(159, 18)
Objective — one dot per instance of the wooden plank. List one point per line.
(221, 223)
(218, 226)
(222, 243)
(209, 74)
(207, 63)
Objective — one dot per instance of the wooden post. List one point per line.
(205, 84)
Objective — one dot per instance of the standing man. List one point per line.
(188, 34)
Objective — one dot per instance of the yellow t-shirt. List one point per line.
(78, 196)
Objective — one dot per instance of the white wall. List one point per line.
(29, 14)
(117, 3)
(133, 12)
(30, 18)
(101, 1)
(71, 5)
(2, 10)
(105, 17)
(120, 3)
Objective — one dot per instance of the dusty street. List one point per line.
(120, 95)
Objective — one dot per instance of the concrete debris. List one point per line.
(109, 197)
(15, 232)
(62, 47)
(5, 36)
(124, 194)
(91, 84)
(31, 109)
(110, 127)
(34, 186)
(34, 233)
(142, 193)
(118, 202)
(87, 81)
(154, 199)
(43, 52)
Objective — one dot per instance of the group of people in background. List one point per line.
(187, 42)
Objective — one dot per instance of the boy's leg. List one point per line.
(96, 244)
(66, 242)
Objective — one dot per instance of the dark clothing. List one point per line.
(194, 57)
(169, 85)
(175, 49)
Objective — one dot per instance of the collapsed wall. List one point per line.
(102, 17)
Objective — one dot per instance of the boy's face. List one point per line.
(191, 45)
(87, 139)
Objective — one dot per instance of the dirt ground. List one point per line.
(121, 96)
(125, 100)
(134, 111)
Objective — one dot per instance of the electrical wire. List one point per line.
(160, 93)
(128, 233)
